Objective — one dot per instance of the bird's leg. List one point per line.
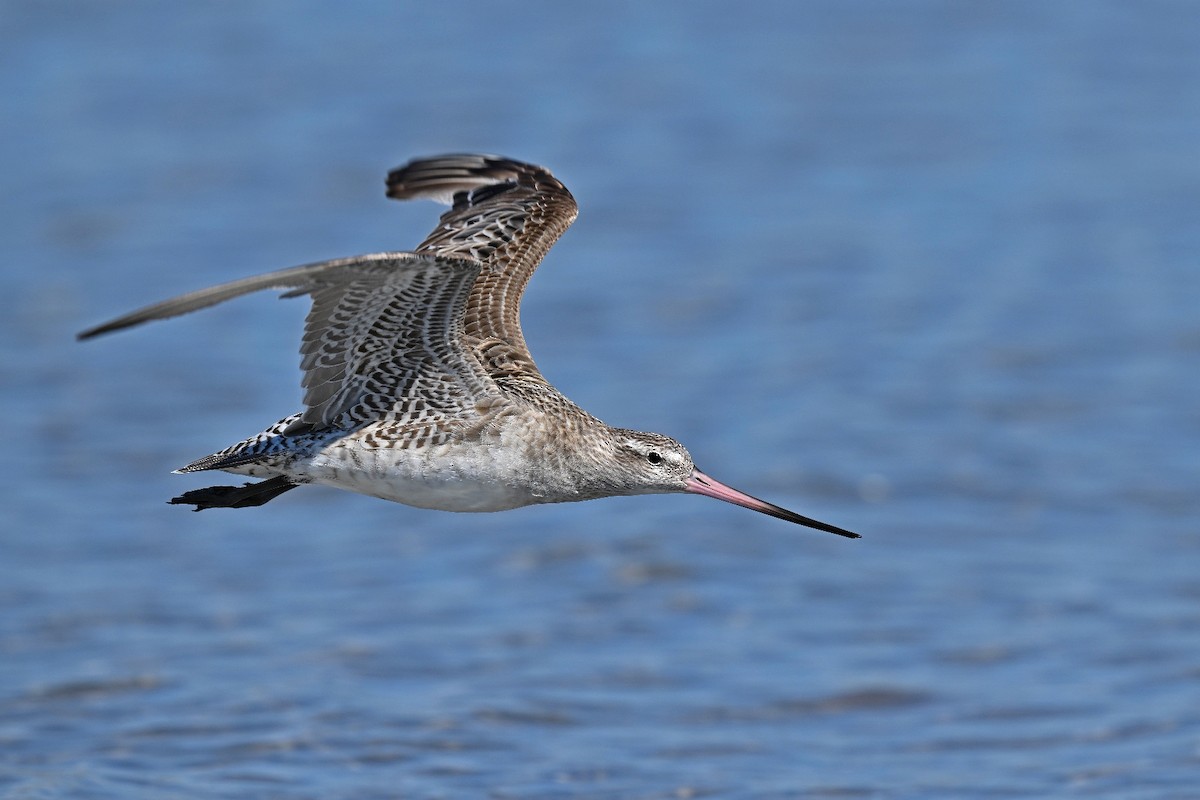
(246, 496)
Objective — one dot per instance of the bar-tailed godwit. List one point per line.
(418, 386)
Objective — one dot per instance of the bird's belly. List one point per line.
(448, 480)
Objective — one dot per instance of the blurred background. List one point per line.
(926, 270)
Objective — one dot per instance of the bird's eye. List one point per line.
(653, 457)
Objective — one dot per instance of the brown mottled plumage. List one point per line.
(418, 385)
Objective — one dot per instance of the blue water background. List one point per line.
(928, 270)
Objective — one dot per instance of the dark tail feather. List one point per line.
(246, 496)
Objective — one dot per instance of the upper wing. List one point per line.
(505, 214)
(383, 339)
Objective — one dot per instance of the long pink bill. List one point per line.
(700, 483)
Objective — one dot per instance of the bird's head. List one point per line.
(650, 463)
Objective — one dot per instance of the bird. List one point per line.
(418, 384)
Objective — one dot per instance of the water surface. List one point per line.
(921, 269)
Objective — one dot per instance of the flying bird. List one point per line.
(418, 386)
